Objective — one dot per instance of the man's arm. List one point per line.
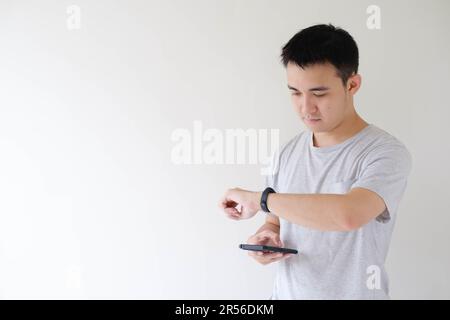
(327, 212)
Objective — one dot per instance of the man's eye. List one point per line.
(319, 95)
(295, 93)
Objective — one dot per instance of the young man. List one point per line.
(338, 185)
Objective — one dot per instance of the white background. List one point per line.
(91, 205)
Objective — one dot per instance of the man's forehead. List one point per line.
(327, 70)
(311, 76)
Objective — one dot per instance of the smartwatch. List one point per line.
(264, 196)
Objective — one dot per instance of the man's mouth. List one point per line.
(312, 120)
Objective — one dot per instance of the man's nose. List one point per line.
(308, 106)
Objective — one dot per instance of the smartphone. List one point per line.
(258, 247)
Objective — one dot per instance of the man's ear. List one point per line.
(354, 83)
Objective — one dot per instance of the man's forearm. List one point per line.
(325, 212)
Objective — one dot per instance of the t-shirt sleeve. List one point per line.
(385, 171)
(270, 172)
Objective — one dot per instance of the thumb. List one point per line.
(278, 241)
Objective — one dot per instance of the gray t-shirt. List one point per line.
(335, 264)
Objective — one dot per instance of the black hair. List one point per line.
(323, 43)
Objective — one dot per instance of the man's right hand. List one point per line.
(269, 238)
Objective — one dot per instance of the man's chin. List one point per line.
(315, 128)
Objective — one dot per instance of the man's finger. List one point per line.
(233, 216)
(269, 233)
(232, 211)
(273, 255)
(267, 255)
(261, 236)
(266, 234)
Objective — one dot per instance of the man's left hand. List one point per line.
(240, 204)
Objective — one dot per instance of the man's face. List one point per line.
(318, 93)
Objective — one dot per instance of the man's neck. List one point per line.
(344, 131)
